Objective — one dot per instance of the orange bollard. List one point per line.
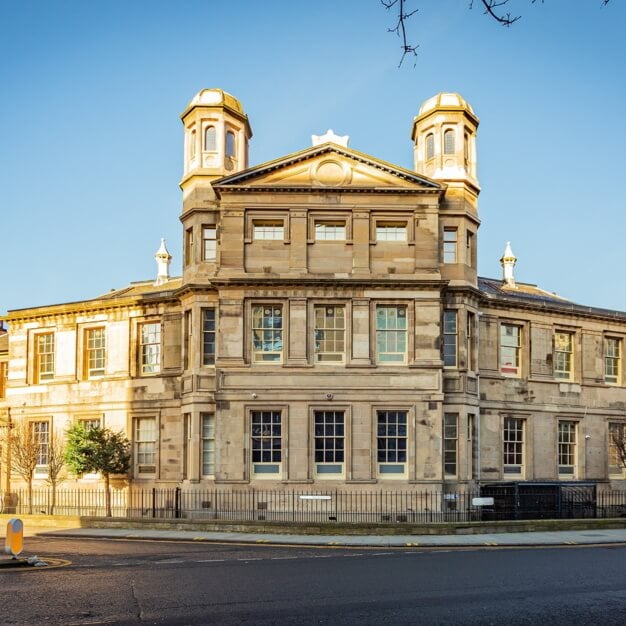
(14, 542)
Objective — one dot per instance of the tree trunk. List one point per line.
(54, 497)
(30, 495)
(107, 495)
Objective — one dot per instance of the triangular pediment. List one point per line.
(324, 167)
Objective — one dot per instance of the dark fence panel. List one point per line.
(528, 501)
(510, 501)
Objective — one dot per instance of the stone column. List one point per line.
(297, 332)
(297, 237)
(361, 242)
(361, 332)
(231, 339)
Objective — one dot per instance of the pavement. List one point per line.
(551, 538)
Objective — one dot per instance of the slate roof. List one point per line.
(527, 295)
(141, 288)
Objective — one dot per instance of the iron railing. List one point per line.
(497, 502)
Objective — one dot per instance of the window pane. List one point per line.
(450, 338)
(267, 333)
(449, 245)
(145, 445)
(563, 348)
(391, 441)
(330, 231)
(269, 230)
(230, 144)
(44, 357)
(266, 442)
(430, 146)
(329, 433)
(448, 142)
(95, 351)
(513, 443)
(393, 231)
(391, 334)
(450, 427)
(209, 243)
(208, 336)
(210, 143)
(208, 444)
(612, 360)
(510, 349)
(329, 333)
(41, 438)
(150, 348)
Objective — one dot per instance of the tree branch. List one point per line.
(493, 8)
(400, 28)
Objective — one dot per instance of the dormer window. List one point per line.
(210, 142)
(448, 141)
(430, 146)
(230, 144)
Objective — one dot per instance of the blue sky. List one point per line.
(91, 140)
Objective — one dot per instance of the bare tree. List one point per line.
(496, 9)
(56, 463)
(24, 453)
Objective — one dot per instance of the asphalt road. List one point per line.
(147, 582)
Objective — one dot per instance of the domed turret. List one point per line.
(444, 137)
(216, 135)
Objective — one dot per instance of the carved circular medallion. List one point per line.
(331, 173)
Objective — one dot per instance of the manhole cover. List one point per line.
(21, 565)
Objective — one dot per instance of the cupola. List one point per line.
(444, 139)
(217, 132)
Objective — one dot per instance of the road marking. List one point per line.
(283, 558)
(382, 553)
(262, 541)
(334, 543)
(570, 543)
(210, 561)
(411, 544)
(198, 538)
(489, 543)
(253, 559)
(168, 561)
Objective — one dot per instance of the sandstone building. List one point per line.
(329, 330)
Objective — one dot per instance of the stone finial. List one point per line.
(341, 140)
(163, 259)
(508, 261)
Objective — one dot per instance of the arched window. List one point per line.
(430, 146)
(230, 144)
(210, 143)
(448, 141)
(192, 143)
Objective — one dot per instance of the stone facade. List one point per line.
(329, 331)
